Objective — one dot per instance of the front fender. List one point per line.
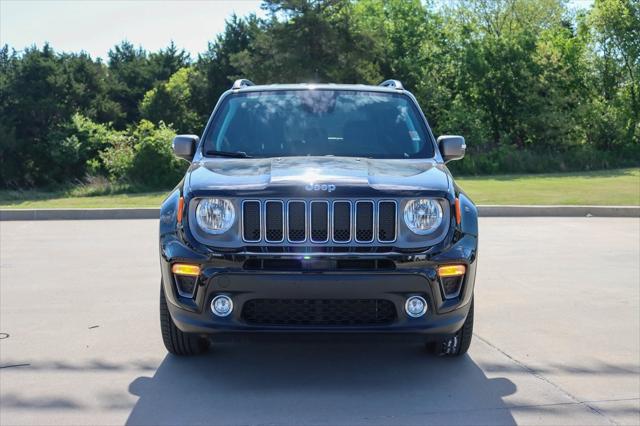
(469, 215)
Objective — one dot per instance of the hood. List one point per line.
(253, 174)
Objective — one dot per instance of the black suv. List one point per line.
(318, 208)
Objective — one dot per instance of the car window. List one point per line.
(320, 122)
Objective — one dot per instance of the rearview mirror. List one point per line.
(184, 146)
(451, 147)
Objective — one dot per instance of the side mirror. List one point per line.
(451, 147)
(184, 146)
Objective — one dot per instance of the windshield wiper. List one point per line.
(237, 154)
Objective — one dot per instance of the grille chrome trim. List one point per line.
(373, 221)
(264, 231)
(310, 231)
(396, 222)
(306, 222)
(333, 221)
(259, 220)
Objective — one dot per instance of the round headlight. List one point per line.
(423, 216)
(215, 215)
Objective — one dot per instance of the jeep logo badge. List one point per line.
(318, 187)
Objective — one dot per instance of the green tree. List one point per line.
(131, 79)
(615, 30)
(170, 102)
(34, 105)
(215, 72)
(166, 62)
(304, 41)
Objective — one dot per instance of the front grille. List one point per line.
(319, 312)
(319, 221)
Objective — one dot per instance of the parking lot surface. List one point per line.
(557, 339)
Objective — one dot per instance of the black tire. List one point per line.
(458, 344)
(177, 342)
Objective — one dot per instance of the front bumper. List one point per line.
(410, 274)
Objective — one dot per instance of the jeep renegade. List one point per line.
(318, 208)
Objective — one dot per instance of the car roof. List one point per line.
(317, 86)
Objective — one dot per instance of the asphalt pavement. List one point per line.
(557, 339)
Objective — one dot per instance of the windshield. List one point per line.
(319, 122)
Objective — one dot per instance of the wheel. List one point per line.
(458, 344)
(177, 342)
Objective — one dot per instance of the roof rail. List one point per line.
(242, 82)
(396, 84)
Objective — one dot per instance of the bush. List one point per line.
(117, 158)
(143, 156)
(508, 159)
(153, 162)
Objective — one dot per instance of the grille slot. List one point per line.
(341, 221)
(251, 221)
(319, 312)
(387, 221)
(319, 221)
(364, 221)
(296, 219)
(274, 221)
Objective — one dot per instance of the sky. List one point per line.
(95, 26)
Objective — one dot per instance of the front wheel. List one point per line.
(176, 341)
(458, 344)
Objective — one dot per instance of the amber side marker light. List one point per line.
(451, 270)
(458, 212)
(184, 269)
(180, 209)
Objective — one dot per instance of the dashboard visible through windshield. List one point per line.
(318, 123)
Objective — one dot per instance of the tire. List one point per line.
(177, 342)
(458, 344)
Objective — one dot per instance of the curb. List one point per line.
(154, 213)
(79, 214)
(559, 211)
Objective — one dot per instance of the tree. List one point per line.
(215, 72)
(307, 41)
(615, 31)
(170, 102)
(131, 79)
(168, 61)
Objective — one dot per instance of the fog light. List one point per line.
(416, 306)
(221, 305)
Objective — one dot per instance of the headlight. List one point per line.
(215, 215)
(423, 216)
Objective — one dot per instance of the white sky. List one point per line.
(95, 26)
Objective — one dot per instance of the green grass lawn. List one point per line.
(619, 187)
(610, 187)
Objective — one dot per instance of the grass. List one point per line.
(42, 200)
(619, 187)
(609, 187)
